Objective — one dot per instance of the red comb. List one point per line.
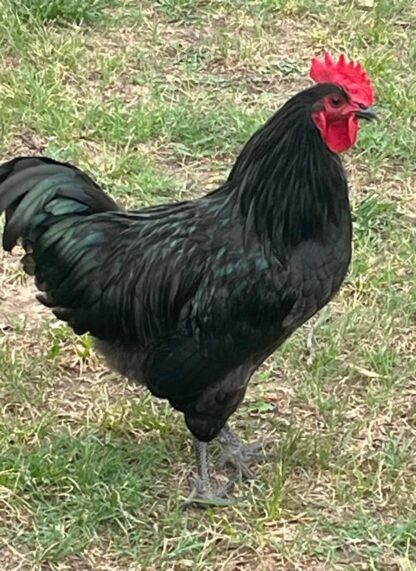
(348, 75)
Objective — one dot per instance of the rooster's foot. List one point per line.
(239, 455)
(203, 494)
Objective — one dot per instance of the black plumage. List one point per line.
(190, 298)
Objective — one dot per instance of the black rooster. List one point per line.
(190, 298)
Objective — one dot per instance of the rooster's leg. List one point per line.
(239, 455)
(203, 492)
(313, 327)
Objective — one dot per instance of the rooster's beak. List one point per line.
(368, 114)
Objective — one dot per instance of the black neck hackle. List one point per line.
(289, 185)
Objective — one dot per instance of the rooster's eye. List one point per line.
(335, 101)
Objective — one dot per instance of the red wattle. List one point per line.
(339, 135)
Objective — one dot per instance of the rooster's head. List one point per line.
(337, 114)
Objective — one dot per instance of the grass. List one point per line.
(58, 11)
(155, 99)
